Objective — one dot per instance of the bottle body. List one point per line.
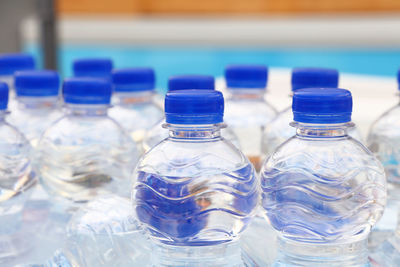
(17, 180)
(247, 114)
(33, 116)
(322, 187)
(136, 112)
(85, 154)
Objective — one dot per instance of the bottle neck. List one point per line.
(195, 132)
(132, 98)
(3, 114)
(247, 94)
(29, 102)
(308, 130)
(86, 109)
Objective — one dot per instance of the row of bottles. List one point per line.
(196, 189)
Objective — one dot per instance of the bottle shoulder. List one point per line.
(9, 134)
(387, 124)
(249, 112)
(328, 155)
(180, 158)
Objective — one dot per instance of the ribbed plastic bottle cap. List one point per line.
(314, 77)
(246, 76)
(37, 83)
(398, 78)
(194, 107)
(93, 67)
(133, 79)
(185, 82)
(3, 95)
(10, 63)
(87, 91)
(322, 105)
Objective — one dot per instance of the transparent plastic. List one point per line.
(279, 130)
(158, 133)
(384, 141)
(195, 192)
(247, 113)
(33, 115)
(104, 233)
(85, 154)
(137, 112)
(9, 80)
(323, 191)
(16, 180)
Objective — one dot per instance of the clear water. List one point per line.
(323, 187)
(33, 116)
(384, 141)
(247, 114)
(16, 182)
(104, 233)
(193, 195)
(136, 112)
(279, 130)
(82, 156)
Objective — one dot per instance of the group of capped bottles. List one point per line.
(196, 183)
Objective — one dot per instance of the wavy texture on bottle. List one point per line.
(327, 192)
(195, 200)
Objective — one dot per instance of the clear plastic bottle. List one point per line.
(384, 141)
(247, 112)
(16, 183)
(93, 67)
(38, 105)
(184, 82)
(195, 192)
(132, 100)
(85, 153)
(322, 190)
(9, 64)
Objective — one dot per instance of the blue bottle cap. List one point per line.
(246, 76)
(93, 67)
(398, 78)
(185, 82)
(133, 79)
(3, 95)
(37, 83)
(10, 63)
(90, 91)
(194, 107)
(314, 77)
(322, 105)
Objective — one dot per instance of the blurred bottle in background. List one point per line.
(184, 82)
(86, 153)
(322, 190)
(38, 103)
(93, 67)
(279, 130)
(384, 141)
(133, 105)
(9, 64)
(195, 192)
(16, 183)
(247, 113)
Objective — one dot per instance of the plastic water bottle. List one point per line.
(195, 192)
(17, 180)
(384, 141)
(9, 64)
(38, 105)
(183, 82)
(322, 190)
(86, 153)
(246, 110)
(134, 107)
(93, 67)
